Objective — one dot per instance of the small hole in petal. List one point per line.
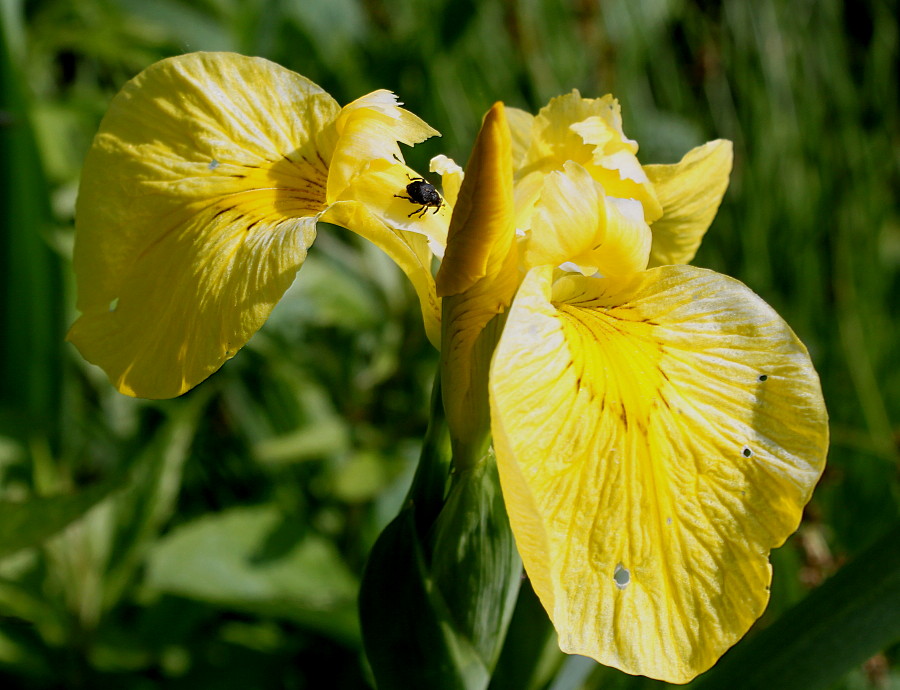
(621, 576)
(213, 164)
(762, 377)
(668, 521)
(746, 452)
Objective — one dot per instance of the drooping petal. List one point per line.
(690, 192)
(656, 436)
(575, 222)
(197, 205)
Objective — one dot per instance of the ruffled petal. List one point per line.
(656, 436)
(587, 131)
(197, 205)
(690, 192)
(369, 129)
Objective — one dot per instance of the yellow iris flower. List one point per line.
(657, 427)
(199, 199)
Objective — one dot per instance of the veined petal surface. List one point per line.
(197, 205)
(656, 436)
(690, 192)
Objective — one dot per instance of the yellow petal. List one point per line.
(587, 131)
(575, 222)
(477, 280)
(521, 124)
(481, 235)
(409, 250)
(690, 193)
(451, 177)
(656, 437)
(196, 208)
(368, 130)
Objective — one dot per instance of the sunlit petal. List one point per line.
(197, 206)
(575, 222)
(477, 280)
(481, 232)
(656, 436)
(690, 193)
(521, 124)
(451, 177)
(369, 129)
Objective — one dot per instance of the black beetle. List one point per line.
(421, 191)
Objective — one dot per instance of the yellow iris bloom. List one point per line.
(658, 428)
(199, 199)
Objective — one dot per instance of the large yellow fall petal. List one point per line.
(656, 436)
(690, 192)
(196, 208)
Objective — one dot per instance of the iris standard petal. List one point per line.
(196, 209)
(575, 222)
(656, 436)
(690, 192)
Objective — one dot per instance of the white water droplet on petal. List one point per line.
(622, 576)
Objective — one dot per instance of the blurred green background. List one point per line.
(217, 540)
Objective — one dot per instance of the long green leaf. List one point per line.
(853, 616)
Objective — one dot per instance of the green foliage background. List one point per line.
(217, 540)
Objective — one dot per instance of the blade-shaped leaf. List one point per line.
(852, 616)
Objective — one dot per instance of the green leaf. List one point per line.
(253, 559)
(851, 617)
(407, 630)
(30, 523)
(531, 656)
(475, 563)
(139, 512)
(31, 308)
